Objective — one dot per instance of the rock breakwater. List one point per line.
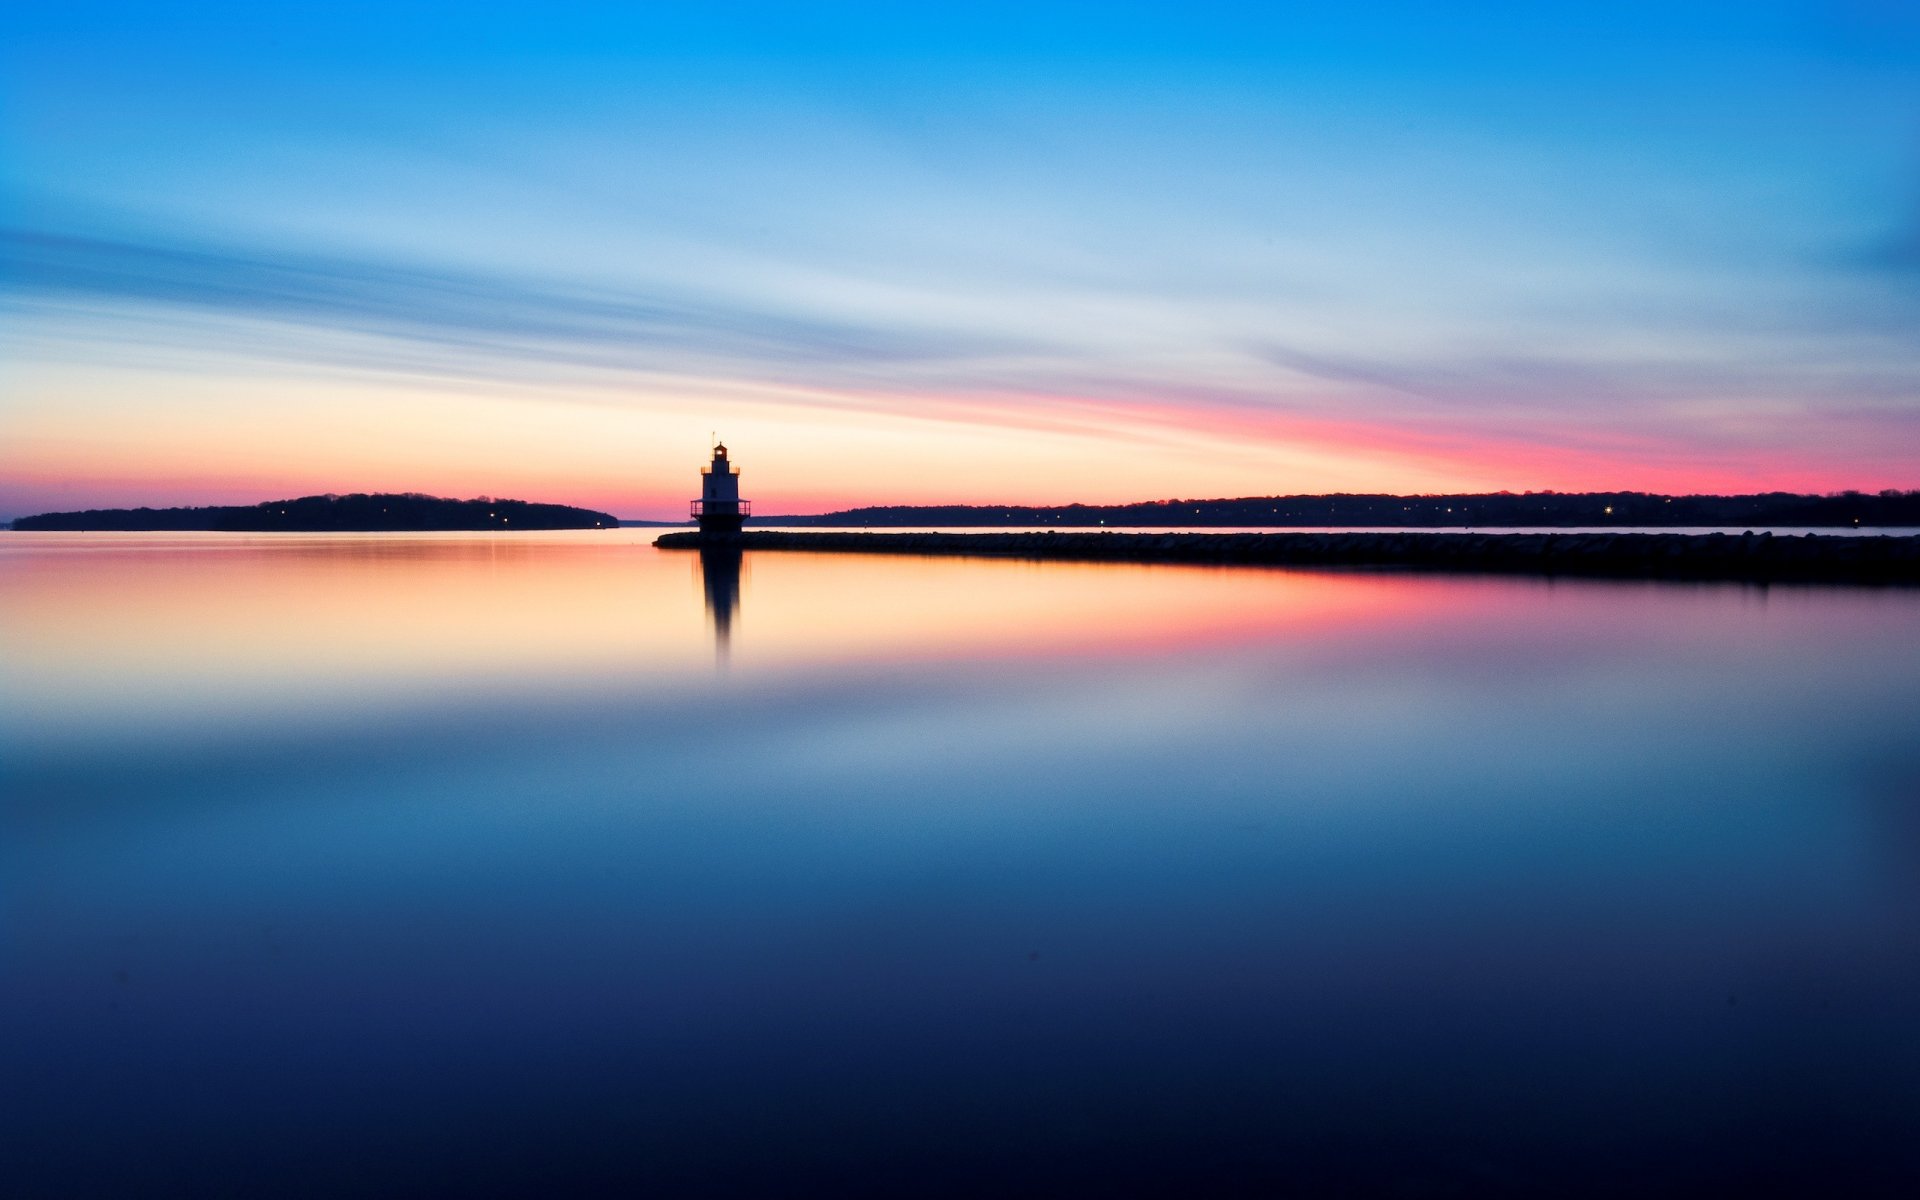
(1700, 556)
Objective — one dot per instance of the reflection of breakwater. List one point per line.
(1749, 557)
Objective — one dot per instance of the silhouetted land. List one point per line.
(358, 513)
(1491, 509)
(1703, 556)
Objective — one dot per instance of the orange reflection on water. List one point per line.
(126, 621)
(804, 605)
(169, 627)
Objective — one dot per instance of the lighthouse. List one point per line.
(720, 508)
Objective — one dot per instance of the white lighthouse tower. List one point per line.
(720, 508)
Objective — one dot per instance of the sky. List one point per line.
(991, 253)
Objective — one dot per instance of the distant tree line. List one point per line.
(356, 513)
(1488, 510)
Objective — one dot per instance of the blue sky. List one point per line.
(1018, 252)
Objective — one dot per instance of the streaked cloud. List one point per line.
(460, 311)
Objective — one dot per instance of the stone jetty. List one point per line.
(1759, 558)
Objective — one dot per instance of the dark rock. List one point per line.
(1831, 559)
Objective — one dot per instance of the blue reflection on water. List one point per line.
(1608, 887)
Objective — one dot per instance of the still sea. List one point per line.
(555, 864)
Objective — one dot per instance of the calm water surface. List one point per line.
(550, 864)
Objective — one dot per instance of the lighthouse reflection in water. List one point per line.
(720, 577)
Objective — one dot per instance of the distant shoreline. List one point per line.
(360, 512)
(1755, 558)
(1482, 510)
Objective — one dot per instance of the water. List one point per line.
(549, 864)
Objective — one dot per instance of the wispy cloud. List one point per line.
(454, 310)
(1900, 250)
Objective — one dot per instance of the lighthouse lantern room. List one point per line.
(720, 508)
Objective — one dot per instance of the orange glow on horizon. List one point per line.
(216, 446)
